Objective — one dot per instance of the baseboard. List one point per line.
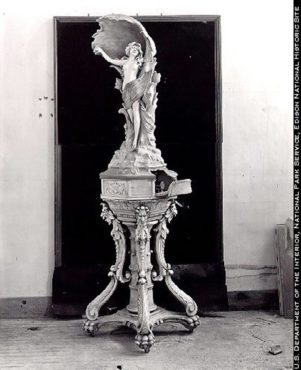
(39, 307)
(253, 300)
(25, 307)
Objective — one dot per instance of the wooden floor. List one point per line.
(231, 340)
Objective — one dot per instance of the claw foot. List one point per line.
(145, 341)
(91, 327)
(193, 322)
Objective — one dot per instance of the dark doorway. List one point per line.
(89, 130)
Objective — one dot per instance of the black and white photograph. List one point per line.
(149, 185)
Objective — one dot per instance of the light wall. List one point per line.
(257, 125)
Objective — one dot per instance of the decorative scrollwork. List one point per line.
(92, 311)
(116, 270)
(142, 232)
(120, 243)
(106, 213)
(190, 305)
(171, 212)
(161, 235)
(115, 188)
(131, 205)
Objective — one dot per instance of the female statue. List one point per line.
(131, 64)
(124, 42)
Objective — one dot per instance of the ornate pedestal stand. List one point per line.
(141, 314)
(138, 190)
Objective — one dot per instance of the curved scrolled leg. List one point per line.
(93, 307)
(165, 271)
(116, 270)
(190, 305)
(162, 231)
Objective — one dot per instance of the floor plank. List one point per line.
(224, 340)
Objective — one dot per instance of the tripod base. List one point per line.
(144, 340)
(141, 314)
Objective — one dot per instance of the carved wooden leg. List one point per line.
(93, 307)
(144, 338)
(116, 271)
(165, 271)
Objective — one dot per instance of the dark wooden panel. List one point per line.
(285, 267)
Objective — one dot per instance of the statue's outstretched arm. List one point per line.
(116, 62)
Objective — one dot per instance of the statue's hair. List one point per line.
(139, 57)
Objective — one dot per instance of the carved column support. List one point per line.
(142, 238)
(144, 338)
(165, 271)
